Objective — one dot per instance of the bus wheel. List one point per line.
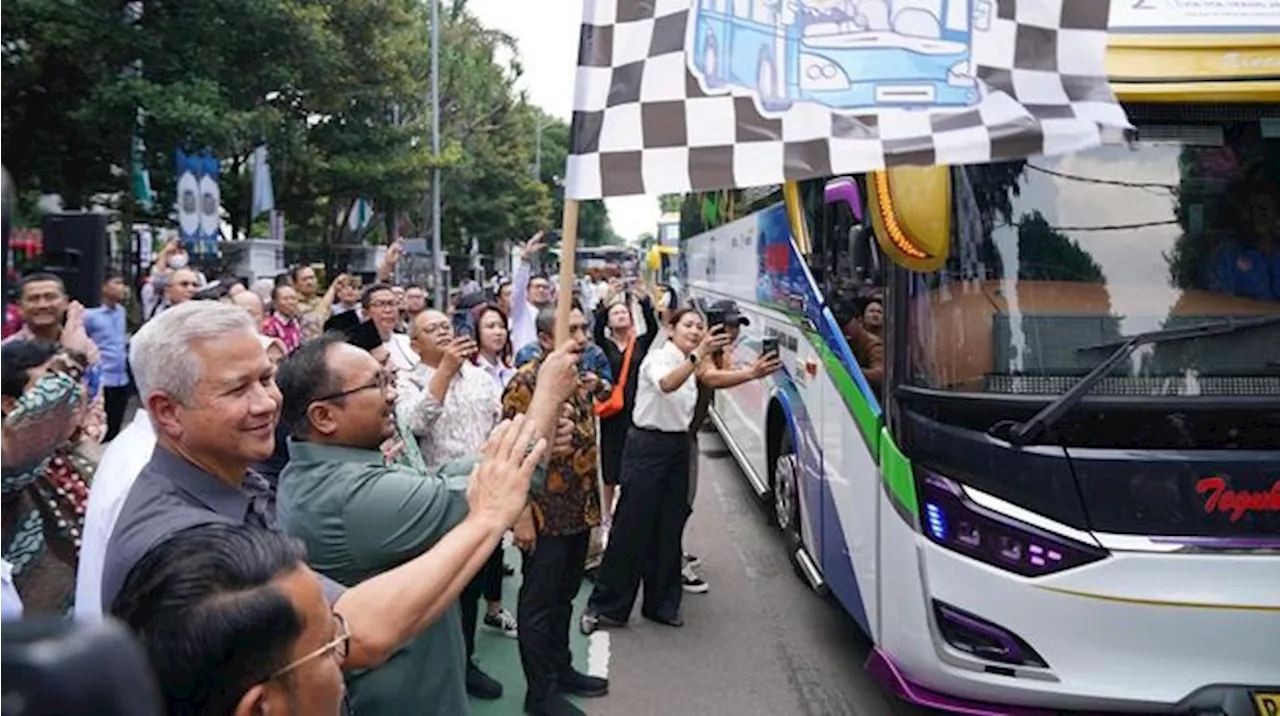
(786, 491)
(768, 85)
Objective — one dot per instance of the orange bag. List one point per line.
(617, 398)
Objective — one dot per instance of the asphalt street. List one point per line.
(759, 642)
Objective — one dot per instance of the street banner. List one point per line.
(697, 95)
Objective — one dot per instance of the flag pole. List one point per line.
(568, 255)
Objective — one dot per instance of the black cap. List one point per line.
(364, 335)
(729, 310)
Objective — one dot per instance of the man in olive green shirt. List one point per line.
(359, 516)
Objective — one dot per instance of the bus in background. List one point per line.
(1058, 488)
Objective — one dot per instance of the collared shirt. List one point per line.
(568, 501)
(460, 425)
(121, 463)
(288, 330)
(106, 327)
(358, 518)
(170, 495)
(11, 607)
(312, 314)
(403, 356)
(655, 410)
(500, 372)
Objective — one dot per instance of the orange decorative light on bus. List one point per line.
(892, 228)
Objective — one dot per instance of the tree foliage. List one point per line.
(338, 89)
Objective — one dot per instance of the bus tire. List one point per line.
(769, 84)
(786, 491)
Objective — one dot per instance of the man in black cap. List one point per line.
(715, 372)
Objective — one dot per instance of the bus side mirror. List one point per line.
(845, 190)
(910, 209)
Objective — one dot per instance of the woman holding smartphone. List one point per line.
(645, 543)
(615, 333)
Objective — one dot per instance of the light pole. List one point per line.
(437, 255)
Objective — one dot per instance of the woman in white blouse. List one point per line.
(644, 545)
(493, 344)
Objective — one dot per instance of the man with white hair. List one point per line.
(210, 392)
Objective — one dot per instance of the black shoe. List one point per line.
(675, 621)
(553, 704)
(579, 684)
(481, 685)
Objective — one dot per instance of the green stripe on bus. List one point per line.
(896, 469)
(858, 404)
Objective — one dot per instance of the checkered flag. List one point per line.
(695, 95)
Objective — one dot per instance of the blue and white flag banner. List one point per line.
(697, 95)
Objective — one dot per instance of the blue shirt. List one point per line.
(106, 326)
(593, 359)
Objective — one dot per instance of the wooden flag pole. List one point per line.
(568, 257)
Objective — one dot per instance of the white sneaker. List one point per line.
(691, 582)
(502, 622)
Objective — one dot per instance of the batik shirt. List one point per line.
(45, 491)
(288, 330)
(568, 501)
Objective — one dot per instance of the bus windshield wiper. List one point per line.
(1022, 433)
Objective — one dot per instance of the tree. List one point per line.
(670, 203)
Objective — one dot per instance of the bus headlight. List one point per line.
(961, 74)
(954, 521)
(817, 73)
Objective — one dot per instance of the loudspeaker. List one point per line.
(75, 249)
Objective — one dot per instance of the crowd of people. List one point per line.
(308, 508)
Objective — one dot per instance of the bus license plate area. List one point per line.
(1267, 703)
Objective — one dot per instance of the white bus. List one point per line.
(1060, 490)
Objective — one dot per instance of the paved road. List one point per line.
(760, 642)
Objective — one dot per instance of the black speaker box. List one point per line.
(75, 249)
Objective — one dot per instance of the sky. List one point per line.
(547, 33)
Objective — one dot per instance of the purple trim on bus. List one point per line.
(882, 669)
(1013, 650)
(1221, 542)
(847, 190)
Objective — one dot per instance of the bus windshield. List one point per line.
(1057, 261)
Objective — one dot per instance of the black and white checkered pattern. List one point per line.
(644, 124)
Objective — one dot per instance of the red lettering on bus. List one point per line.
(1237, 503)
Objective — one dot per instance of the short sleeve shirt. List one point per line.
(171, 495)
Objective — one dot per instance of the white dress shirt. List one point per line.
(121, 463)
(403, 356)
(655, 410)
(459, 426)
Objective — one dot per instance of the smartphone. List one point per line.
(769, 345)
(715, 318)
(462, 327)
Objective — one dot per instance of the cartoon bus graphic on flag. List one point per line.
(842, 54)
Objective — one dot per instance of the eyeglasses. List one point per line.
(338, 648)
(383, 381)
(383, 304)
(437, 327)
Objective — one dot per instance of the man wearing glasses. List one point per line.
(383, 308)
(210, 392)
(360, 516)
(234, 622)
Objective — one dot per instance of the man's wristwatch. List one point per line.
(693, 358)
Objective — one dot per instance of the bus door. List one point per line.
(846, 266)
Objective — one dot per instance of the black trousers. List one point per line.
(488, 584)
(552, 576)
(115, 402)
(644, 545)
